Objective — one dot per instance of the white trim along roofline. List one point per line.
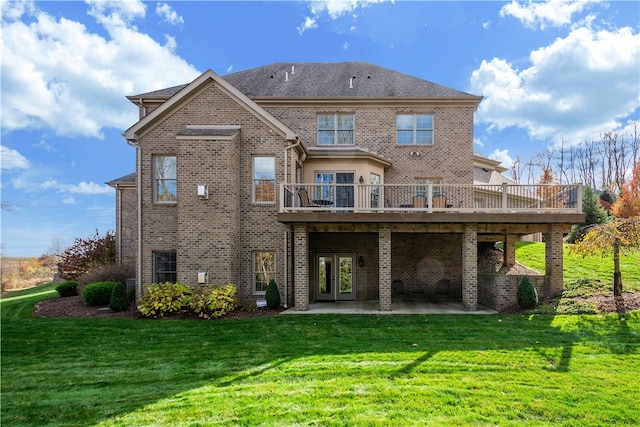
(148, 122)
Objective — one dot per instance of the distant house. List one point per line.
(341, 181)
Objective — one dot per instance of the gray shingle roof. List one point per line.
(127, 179)
(327, 80)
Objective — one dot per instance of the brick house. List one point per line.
(342, 181)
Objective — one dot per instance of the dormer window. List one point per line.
(414, 129)
(336, 129)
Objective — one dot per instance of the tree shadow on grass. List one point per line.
(137, 363)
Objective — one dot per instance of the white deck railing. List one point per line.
(554, 198)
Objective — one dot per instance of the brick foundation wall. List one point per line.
(500, 291)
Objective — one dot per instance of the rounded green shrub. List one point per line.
(272, 295)
(527, 295)
(98, 293)
(161, 299)
(119, 300)
(67, 289)
(214, 301)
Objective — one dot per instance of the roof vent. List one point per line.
(293, 69)
(286, 76)
(351, 82)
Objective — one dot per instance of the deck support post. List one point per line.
(510, 250)
(301, 276)
(470, 267)
(384, 280)
(553, 259)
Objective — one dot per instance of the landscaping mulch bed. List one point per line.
(75, 307)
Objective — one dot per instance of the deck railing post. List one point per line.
(579, 197)
(504, 196)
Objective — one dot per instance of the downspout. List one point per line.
(139, 219)
(286, 177)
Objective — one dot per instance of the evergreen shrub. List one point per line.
(272, 295)
(98, 293)
(119, 300)
(67, 289)
(527, 294)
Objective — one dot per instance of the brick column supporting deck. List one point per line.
(384, 284)
(553, 259)
(510, 250)
(301, 263)
(470, 267)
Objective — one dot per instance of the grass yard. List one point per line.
(577, 267)
(318, 370)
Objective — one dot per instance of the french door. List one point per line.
(340, 196)
(334, 277)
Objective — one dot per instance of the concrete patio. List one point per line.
(372, 307)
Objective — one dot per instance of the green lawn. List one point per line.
(577, 267)
(318, 370)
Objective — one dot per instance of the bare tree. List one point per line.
(516, 170)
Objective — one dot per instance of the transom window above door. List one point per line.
(414, 129)
(336, 129)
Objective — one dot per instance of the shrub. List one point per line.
(98, 293)
(272, 295)
(107, 273)
(119, 300)
(214, 301)
(84, 254)
(527, 295)
(164, 298)
(67, 289)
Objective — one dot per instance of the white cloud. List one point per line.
(334, 9)
(84, 188)
(69, 200)
(59, 75)
(502, 156)
(308, 24)
(11, 159)
(345, 46)
(555, 13)
(30, 181)
(169, 15)
(578, 86)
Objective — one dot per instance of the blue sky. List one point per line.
(549, 71)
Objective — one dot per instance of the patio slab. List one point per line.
(372, 307)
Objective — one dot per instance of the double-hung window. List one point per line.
(165, 186)
(264, 270)
(336, 129)
(264, 179)
(414, 129)
(164, 267)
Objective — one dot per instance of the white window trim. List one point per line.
(253, 180)
(415, 129)
(155, 179)
(336, 130)
(253, 268)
